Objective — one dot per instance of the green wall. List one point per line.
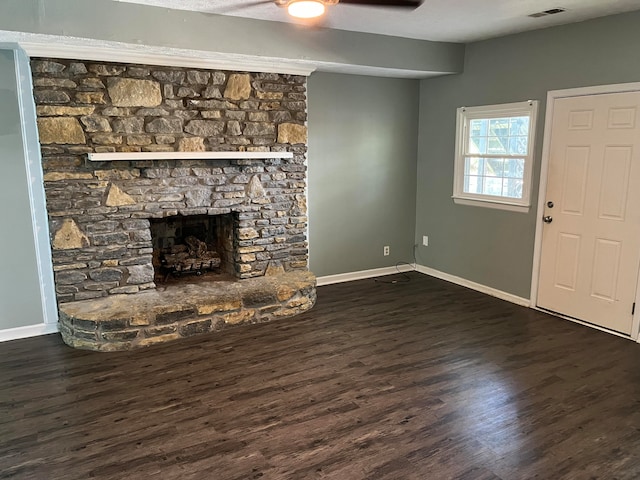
(494, 247)
(380, 149)
(362, 162)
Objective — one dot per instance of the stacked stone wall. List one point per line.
(99, 212)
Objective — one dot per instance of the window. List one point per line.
(494, 155)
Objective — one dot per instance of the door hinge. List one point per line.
(633, 308)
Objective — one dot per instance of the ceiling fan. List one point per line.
(316, 8)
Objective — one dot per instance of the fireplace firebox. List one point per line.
(193, 245)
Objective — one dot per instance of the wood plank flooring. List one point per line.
(418, 380)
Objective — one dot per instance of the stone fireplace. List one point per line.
(176, 199)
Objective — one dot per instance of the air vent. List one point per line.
(551, 11)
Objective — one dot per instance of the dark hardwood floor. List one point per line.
(418, 380)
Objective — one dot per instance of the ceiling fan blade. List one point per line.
(385, 3)
(233, 8)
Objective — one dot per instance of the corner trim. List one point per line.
(44, 45)
(494, 292)
(35, 186)
(363, 274)
(28, 331)
(76, 48)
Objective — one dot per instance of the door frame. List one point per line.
(552, 96)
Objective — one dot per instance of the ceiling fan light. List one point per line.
(305, 8)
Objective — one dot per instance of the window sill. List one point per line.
(491, 204)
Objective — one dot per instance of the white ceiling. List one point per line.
(440, 20)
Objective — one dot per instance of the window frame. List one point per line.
(463, 118)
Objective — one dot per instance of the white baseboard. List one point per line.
(525, 302)
(29, 331)
(363, 274)
(44, 329)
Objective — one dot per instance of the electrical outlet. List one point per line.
(386, 250)
(425, 240)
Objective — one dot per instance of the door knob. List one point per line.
(547, 219)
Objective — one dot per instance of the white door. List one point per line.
(591, 238)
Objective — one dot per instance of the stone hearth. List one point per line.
(102, 214)
(122, 322)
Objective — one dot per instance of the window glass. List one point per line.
(493, 161)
